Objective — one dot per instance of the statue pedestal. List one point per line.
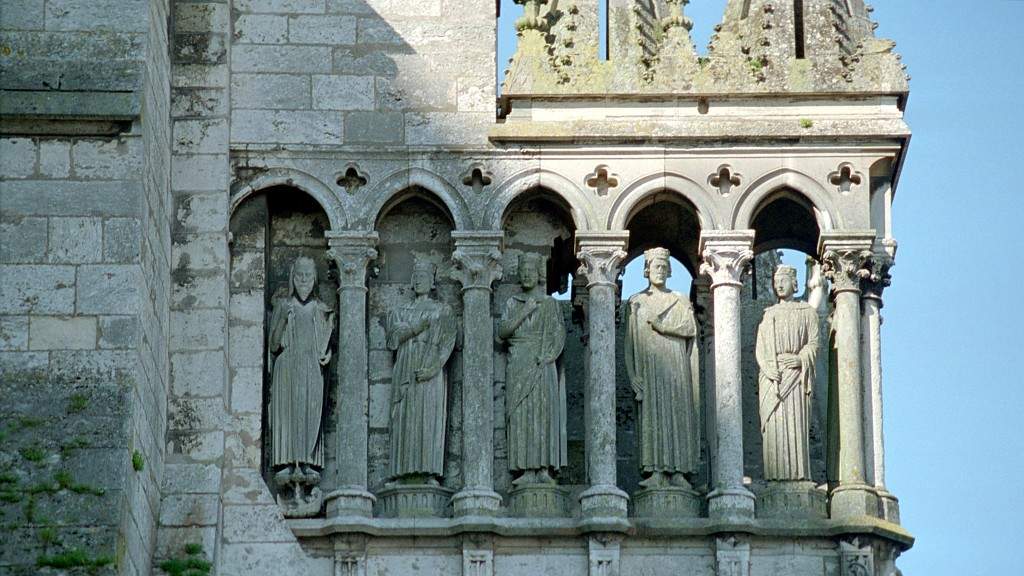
(538, 500)
(301, 506)
(353, 501)
(604, 501)
(852, 501)
(415, 501)
(667, 502)
(792, 499)
(889, 506)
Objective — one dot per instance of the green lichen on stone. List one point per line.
(138, 462)
(192, 564)
(48, 536)
(77, 443)
(30, 422)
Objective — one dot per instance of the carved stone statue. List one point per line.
(300, 332)
(422, 334)
(535, 402)
(661, 361)
(787, 348)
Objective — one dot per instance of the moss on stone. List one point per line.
(32, 453)
(77, 403)
(74, 558)
(138, 462)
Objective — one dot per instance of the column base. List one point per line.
(538, 501)
(604, 501)
(667, 502)
(350, 502)
(415, 501)
(731, 504)
(853, 500)
(476, 502)
(888, 506)
(794, 499)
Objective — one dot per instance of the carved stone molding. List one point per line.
(845, 257)
(603, 552)
(732, 556)
(601, 256)
(477, 177)
(350, 556)
(602, 180)
(878, 278)
(352, 178)
(477, 556)
(726, 256)
(477, 259)
(845, 178)
(856, 557)
(725, 179)
(352, 252)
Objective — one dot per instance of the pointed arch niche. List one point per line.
(271, 227)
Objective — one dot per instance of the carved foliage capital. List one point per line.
(726, 264)
(601, 264)
(352, 254)
(878, 278)
(846, 268)
(476, 264)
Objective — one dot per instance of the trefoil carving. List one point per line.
(602, 180)
(352, 179)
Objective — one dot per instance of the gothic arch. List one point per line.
(629, 201)
(296, 179)
(399, 182)
(808, 189)
(533, 178)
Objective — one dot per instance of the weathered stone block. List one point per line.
(37, 289)
(119, 332)
(189, 510)
(199, 374)
(246, 486)
(380, 405)
(343, 92)
(121, 240)
(171, 541)
(322, 29)
(201, 17)
(201, 136)
(247, 307)
(280, 91)
(198, 102)
(374, 30)
(199, 172)
(62, 333)
(70, 198)
(374, 128)
(108, 289)
(93, 366)
(54, 158)
(191, 479)
(17, 157)
(22, 15)
(264, 523)
(292, 59)
(246, 346)
(198, 329)
(75, 240)
(200, 213)
(13, 333)
(201, 252)
(282, 6)
(266, 559)
(261, 29)
(198, 446)
(93, 15)
(192, 289)
(441, 128)
(23, 241)
(352, 61)
(107, 159)
(200, 76)
(247, 389)
(23, 366)
(286, 127)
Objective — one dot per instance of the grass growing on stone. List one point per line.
(192, 564)
(76, 444)
(806, 123)
(32, 453)
(77, 403)
(138, 462)
(74, 558)
(48, 536)
(66, 482)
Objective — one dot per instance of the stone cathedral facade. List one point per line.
(278, 279)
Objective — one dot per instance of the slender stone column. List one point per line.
(845, 256)
(871, 368)
(726, 257)
(477, 261)
(705, 316)
(352, 251)
(601, 256)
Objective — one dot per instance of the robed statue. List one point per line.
(300, 333)
(661, 361)
(787, 348)
(535, 407)
(422, 334)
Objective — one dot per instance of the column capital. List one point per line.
(352, 252)
(477, 258)
(845, 257)
(601, 255)
(725, 255)
(879, 277)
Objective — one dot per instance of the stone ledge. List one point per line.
(555, 527)
(77, 105)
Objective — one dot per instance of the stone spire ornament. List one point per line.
(661, 361)
(300, 333)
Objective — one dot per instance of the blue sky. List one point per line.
(954, 409)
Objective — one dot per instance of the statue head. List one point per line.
(785, 282)
(303, 277)
(657, 268)
(531, 269)
(423, 273)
